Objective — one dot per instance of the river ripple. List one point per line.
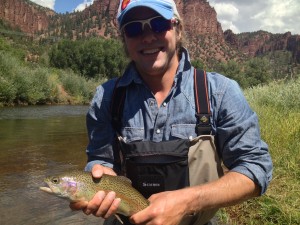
(36, 142)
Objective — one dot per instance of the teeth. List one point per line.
(151, 51)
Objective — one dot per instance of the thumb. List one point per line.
(140, 217)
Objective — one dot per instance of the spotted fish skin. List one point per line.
(81, 186)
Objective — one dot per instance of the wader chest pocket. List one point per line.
(155, 167)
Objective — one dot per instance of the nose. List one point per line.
(148, 35)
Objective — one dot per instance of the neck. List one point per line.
(161, 84)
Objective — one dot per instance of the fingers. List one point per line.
(141, 217)
(113, 208)
(94, 204)
(98, 170)
(103, 205)
(78, 205)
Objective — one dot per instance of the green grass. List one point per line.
(278, 109)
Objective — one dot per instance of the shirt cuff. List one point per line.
(255, 174)
(90, 164)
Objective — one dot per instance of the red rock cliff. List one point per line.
(199, 18)
(25, 15)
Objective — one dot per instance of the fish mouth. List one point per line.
(47, 189)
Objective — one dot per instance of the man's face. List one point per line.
(153, 53)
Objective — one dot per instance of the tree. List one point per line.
(198, 64)
(91, 58)
(257, 71)
(232, 70)
(65, 55)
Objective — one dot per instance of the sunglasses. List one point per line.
(157, 24)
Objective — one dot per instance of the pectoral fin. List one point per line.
(118, 218)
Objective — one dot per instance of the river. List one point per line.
(36, 142)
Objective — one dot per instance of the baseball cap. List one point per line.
(166, 8)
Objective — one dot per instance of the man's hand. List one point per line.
(166, 208)
(169, 208)
(103, 204)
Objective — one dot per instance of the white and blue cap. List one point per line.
(166, 8)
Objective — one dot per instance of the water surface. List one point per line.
(36, 142)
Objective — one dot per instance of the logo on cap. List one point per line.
(124, 4)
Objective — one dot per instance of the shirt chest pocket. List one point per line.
(133, 134)
(183, 131)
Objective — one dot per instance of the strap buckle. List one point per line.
(203, 126)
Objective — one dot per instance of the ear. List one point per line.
(179, 36)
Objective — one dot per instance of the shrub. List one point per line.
(7, 91)
(32, 86)
(283, 95)
(76, 86)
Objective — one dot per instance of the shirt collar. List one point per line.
(130, 75)
(184, 64)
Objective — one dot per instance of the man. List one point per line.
(159, 109)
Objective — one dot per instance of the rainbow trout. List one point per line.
(81, 186)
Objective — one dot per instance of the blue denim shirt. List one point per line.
(234, 124)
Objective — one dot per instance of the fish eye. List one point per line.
(55, 180)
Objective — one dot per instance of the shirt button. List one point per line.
(164, 104)
(152, 103)
(158, 131)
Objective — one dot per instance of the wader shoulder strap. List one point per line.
(117, 105)
(203, 126)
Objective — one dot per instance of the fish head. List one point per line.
(63, 187)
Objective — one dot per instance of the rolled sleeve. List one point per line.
(89, 165)
(239, 140)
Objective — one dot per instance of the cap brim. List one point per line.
(165, 11)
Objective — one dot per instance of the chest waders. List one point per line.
(171, 165)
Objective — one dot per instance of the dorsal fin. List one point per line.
(125, 179)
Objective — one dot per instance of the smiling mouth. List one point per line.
(151, 51)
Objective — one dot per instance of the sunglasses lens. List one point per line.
(133, 29)
(160, 24)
